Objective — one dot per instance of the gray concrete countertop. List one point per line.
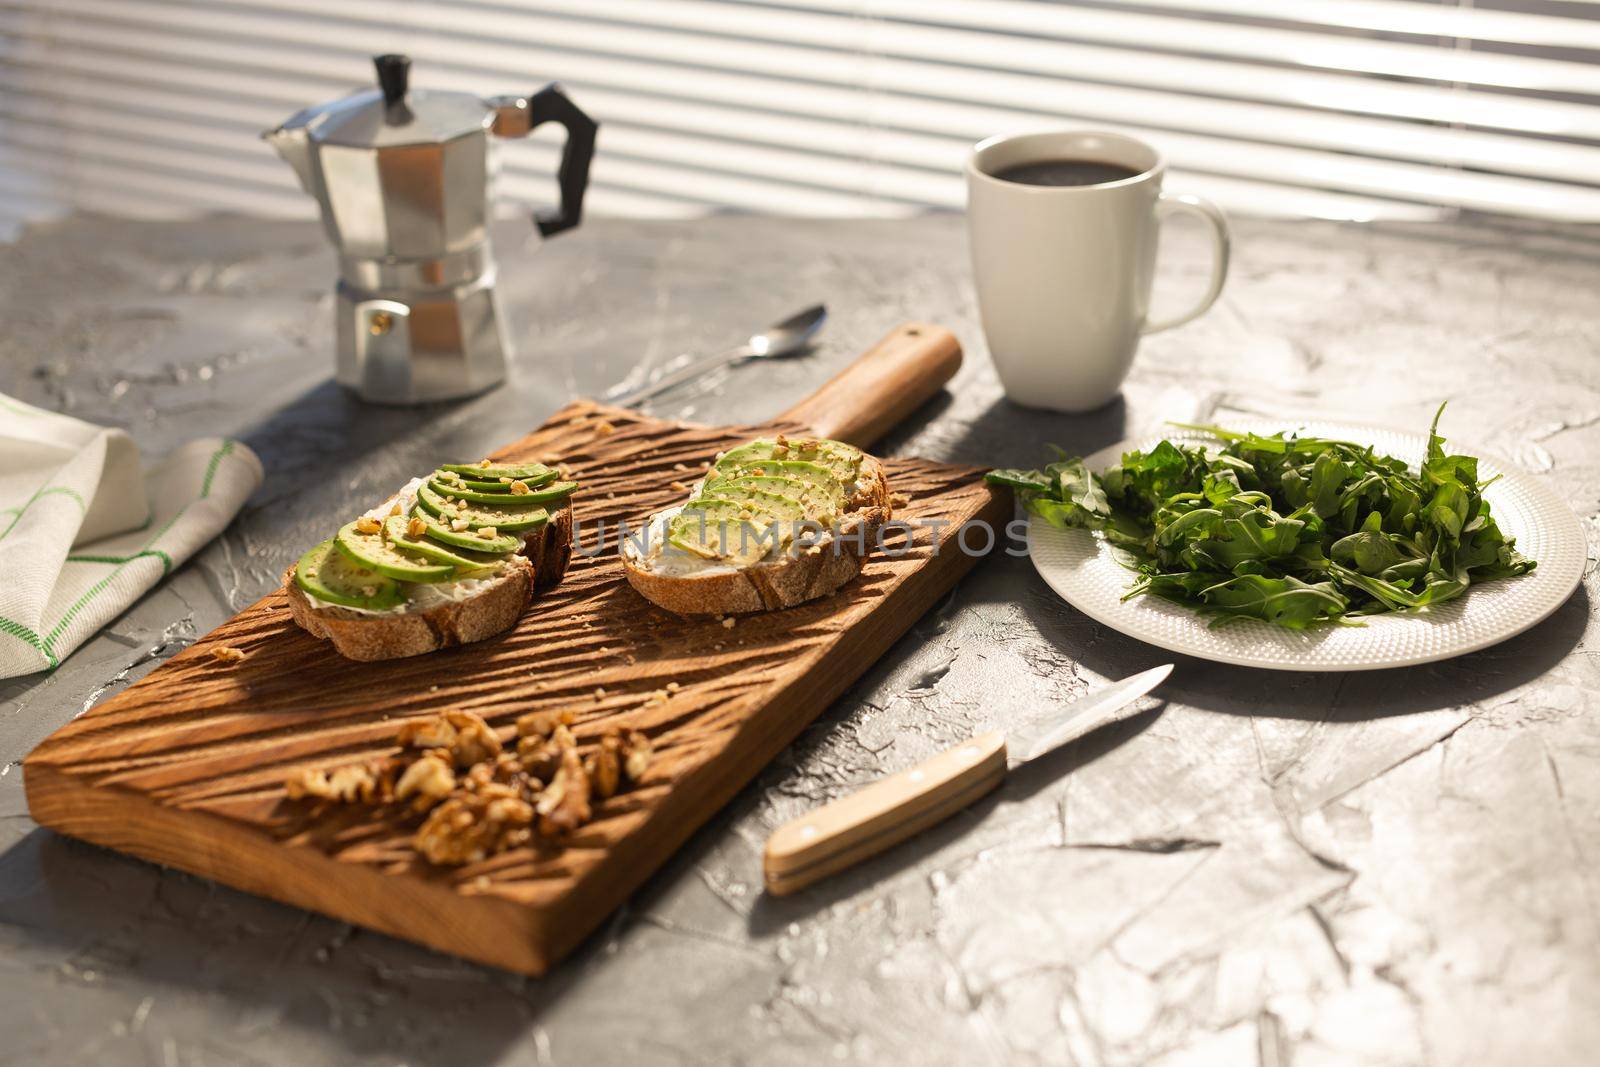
(1400, 867)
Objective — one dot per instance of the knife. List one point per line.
(891, 809)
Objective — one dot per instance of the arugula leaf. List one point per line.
(1295, 531)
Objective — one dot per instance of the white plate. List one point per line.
(1079, 565)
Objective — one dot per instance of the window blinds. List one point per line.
(1333, 108)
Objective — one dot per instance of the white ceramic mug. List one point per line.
(1063, 272)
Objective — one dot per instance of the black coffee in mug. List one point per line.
(1066, 172)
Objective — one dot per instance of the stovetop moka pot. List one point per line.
(402, 177)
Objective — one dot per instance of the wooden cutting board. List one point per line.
(185, 767)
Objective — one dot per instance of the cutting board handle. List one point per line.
(869, 397)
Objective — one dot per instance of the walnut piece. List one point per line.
(430, 779)
(637, 753)
(365, 782)
(564, 804)
(543, 723)
(604, 768)
(475, 740)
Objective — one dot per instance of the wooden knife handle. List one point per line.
(898, 375)
(885, 813)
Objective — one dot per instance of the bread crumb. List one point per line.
(481, 882)
(393, 511)
(599, 692)
(898, 500)
(680, 466)
(678, 487)
(727, 624)
(604, 428)
(673, 687)
(227, 654)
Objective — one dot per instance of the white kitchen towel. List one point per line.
(84, 531)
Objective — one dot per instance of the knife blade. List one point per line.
(852, 828)
(1083, 716)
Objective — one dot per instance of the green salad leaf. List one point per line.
(1295, 531)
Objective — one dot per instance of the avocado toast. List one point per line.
(775, 523)
(451, 558)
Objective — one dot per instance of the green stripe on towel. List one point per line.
(144, 550)
(22, 633)
(48, 491)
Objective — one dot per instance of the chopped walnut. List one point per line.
(227, 654)
(417, 527)
(458, 524)
(488, 533)
(636, 755)
(367, 782)
(368, 525)
(475, 740)
(430, 780)
(476, 799)
(434, 731)
(460, 831)
(484, 463)
(564, 804)
(394, 509)
(542, 723)
(604, 768)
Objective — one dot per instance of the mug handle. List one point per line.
(1221, 242)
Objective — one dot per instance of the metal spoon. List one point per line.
(780, 339)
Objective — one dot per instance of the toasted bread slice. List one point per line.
(549, 548)
(361, 635)
(539, 564)
(795, 577)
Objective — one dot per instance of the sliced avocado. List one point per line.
(763, 504)
(464, 560)
(372, 551)
(553, 492)
(503, 519)
(821, 480)
(723, 529)
(497, 486)
(841, 460)
(819, 501)
(328, 575)
(494, 472)
(467, 539)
